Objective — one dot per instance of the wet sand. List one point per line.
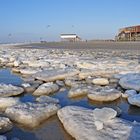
(127, 46)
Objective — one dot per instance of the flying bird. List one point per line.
(9, 34)
(48, 26)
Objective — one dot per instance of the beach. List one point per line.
(59, 86)
(107, 45)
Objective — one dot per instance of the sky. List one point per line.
(34, 20)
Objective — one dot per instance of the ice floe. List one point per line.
(81, 124)
(5, 125)
(46, 89)
(10, 90)
(32, 114)
(104, 94)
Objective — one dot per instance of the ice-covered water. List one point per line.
(52, 129)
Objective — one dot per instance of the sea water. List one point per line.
(52, 129)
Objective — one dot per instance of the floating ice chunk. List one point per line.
(79, 91)
(31, 114)
(7, 102)
(100, 81)
(9, 90)
(53, 75)
(99, 125)
(80, 123)
(130, 81)
(134, 100)
(104, 114)
(28, 71)
(104, 94)
(46, 89)
(5, 125)
(129, 93)
(47, 99)
(17, 63)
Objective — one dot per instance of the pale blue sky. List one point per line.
(24, 20)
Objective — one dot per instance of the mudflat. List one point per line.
(95, 45)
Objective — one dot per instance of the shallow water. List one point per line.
(52, 129)
(8, 78)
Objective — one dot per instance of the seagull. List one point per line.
(10, 35)
(48, 26)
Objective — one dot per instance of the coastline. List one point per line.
(117, 46)
(74, 71)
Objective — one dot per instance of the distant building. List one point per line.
(70, 37)
(129, 34)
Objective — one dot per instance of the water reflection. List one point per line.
(134, 110)
(50, 129)
(107, 104)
